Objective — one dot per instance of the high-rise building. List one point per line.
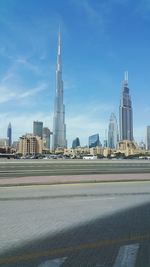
(94, 140)
(125, 112)
(38, 128)
(148, 138)
(59, 126)
(9, 134)
(76, 142)
(46, 137)
(113, 136)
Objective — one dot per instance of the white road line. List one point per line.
(127, 256)
(96, 199)
(53, 263)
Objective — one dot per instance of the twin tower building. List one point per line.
(125, 112)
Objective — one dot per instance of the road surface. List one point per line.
(24, 168)
(81, 225)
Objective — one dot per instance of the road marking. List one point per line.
(53, 263)
(95, 199)
(74, 248)
(127, 256)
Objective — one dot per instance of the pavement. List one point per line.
(80, 225)
(72, 179)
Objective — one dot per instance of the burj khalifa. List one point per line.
(59, 126)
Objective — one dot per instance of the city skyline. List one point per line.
(94, 60)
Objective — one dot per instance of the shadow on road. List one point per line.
(95, 243)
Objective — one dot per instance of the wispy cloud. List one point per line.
(33, 91)
(7, 77)
(9, 94)
(28, 65)
(94, 16)
(6, 94)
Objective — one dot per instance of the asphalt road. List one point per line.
(24, 168)
(82, 225)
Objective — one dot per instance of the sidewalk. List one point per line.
(70, 179)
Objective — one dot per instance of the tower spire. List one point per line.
(126, 77)
(59, 52)
(59, 41)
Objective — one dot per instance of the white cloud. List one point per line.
(28, 65)
(33, 91)
(8, 76)
(94, 16)
(8, 93)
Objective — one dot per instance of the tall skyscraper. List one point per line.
(59, 126)
(94, 140)
(38, 128)
(148, 138)
(9, 134)
(113, 136)
(125, 112)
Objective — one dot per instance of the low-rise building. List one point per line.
(128, 147)
(30, 144)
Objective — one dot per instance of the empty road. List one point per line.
(24, 168)
(94, 225)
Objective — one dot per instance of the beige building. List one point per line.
(30, 144)
(96, 150)
(76, 151)
(4, 142)
(128, 148)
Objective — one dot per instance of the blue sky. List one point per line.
(100, 40)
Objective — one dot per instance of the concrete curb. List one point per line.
(73, 182)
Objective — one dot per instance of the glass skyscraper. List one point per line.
(59, 126)
(94, 140)
(9, 134)
(113, 136)
(148, 138)
(38, 128)
(76, 142)
(125, 112)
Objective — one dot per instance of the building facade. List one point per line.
(125, 112)
(94, 140)
(9, 134)
(38, 128)
(76, 142)
(148, 138)
(128, 147)
(46, 137)
(4, 142)
(30, 144)
(59, 126)
(113, 135)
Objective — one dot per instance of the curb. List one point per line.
(75, 182)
